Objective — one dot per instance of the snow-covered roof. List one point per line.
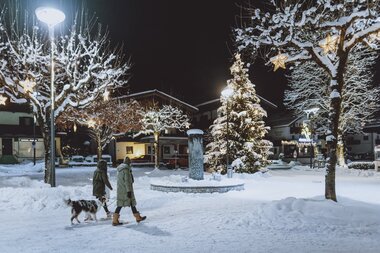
(284, 119)
(218, 100)
(158, 92)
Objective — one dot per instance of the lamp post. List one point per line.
(34, 140)
(226, 94)
(308, 112)
(51, 17)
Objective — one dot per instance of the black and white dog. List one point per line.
(90, 207)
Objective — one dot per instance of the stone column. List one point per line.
(195, 154)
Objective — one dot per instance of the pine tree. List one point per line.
(246, 128)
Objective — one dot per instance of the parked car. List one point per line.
(177, 162)
(77, 159)
(94, 159)
(143, 159)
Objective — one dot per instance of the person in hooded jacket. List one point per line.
(99, 183)
(125, 195)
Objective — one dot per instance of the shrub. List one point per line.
(361, 165)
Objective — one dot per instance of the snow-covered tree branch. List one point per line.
(324, 32)
(85, 67)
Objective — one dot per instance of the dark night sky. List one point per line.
(180, 47)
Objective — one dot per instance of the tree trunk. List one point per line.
(156, 150)
(99, 146)
(46, 136)
(336, 85)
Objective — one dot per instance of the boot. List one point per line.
(115, 220)
(139, 217)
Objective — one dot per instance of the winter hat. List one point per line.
(102, 165)
(127, 160)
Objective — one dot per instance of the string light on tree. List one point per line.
(28, 85)
(329, 44)
(279, 61)
(3, 100)
(106, 95)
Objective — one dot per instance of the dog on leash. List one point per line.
(90, 207)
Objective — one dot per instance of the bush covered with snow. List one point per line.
(361, 165)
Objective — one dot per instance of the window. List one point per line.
(150, 150)
(365, 137)
(129, 150)
(166, 150)
(25, 121)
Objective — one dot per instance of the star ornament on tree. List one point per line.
(279, 61)
(3, 100)
(329, 44)
(28, 85)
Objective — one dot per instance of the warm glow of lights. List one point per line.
(75, 127)
(91, 123)
(3, 100)
(279, 61)
(329, 44)
(28, 85)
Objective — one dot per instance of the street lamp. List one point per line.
(34, 139)
(312, 111)
(226, 94)
(51, 17)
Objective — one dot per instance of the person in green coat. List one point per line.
(125, 195)
(99, 183)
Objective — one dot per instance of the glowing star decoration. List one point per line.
(106, 95)
(3, 100)
(91, 123)
(28, 85)
(279, 61)
(329, 44)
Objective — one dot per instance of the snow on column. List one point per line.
(195, 154)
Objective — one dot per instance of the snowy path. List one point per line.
(279, 212)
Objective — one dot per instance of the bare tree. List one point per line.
(105, 119)
(157, 120)
(324, 32)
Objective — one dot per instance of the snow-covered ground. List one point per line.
(279, 211)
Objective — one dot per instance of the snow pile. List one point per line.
(356, 172)
(181, 181)
(32, 195)
(314, 215)
(21, 169)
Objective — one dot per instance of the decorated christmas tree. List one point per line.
(241, 125)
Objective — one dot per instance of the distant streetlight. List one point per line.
(312, 111)
(226, 94)
(51, 17)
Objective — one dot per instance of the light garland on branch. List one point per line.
(279, 61)
(106, 95)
